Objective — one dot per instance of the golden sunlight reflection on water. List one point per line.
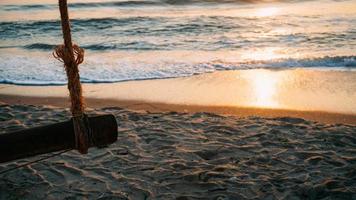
(264, 89)
(266, 11)
(297, 89)
(268, 53)
(237, 10)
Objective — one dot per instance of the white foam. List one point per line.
(40, 68)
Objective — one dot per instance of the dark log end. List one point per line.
(55, 137)
(104, 130)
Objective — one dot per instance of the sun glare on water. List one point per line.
(260, 54)
(264, 85)
(266, 12)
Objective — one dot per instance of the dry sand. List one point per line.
(171, 155)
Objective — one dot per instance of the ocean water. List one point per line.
(149, 39)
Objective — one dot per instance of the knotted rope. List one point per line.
(72, 55)
(71, 62)
(62, 55)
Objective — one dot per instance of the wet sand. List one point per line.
(319, 95)
(171, 155)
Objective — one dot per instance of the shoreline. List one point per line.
(317, 95)
(156, 107)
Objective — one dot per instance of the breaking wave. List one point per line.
(34, 71)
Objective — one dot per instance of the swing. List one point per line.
(81, 132)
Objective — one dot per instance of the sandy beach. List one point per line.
(170, 155)
(168, 149)
(208, 99)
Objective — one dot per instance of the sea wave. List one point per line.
(139, 23)
(132, 3)
(172, 33)
(327, 61)
(32, 71)
(170, 42)
(102, 47)
(41, 46)
(20, 29)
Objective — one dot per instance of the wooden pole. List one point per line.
(55, 137)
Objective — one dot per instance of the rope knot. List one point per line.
(64, 55)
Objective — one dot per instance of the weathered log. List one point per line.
(55, 137)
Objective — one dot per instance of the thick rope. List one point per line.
(72, 55)
(62, 54)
